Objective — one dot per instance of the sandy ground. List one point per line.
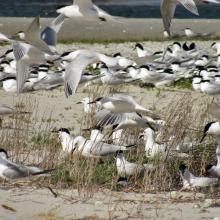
(125, 29)
(40, 204)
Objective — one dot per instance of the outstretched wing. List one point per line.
(49, 34)
(167, 9)
(74, 72)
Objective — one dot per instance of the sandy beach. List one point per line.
(33, 203)
(39, 204)
(124, 29)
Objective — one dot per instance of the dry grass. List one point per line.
(31, 142)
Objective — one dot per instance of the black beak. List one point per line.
(79, 103)
(141, 136)
(86, 129)
(203, 137)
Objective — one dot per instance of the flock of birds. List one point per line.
(34, 63)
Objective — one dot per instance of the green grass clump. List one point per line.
(183, 84)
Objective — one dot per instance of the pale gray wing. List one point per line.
(33, 36)
(167, 10)
(14, 171)
(190, 5)
(74, 71)
(19, 50)
(4, 37)
(23, 70)
(105, 117)
(4, 109)
(22, 66)
(214, 109)
(126, 98)
(104, 149)
(83, 3)
(49, 34)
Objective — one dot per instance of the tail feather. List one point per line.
(43, 172)
(127, 147)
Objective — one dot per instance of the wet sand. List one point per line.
(124, 29)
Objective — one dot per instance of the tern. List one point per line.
(213, 127)
(49, 34)
(120, 103)
(11, 171)
(190, 33)
(80, 60)
(66, 140)
(141, 52)
(209, 87)
(214, 170)
(96, 149)
(127, 169)
(84, 8)
(6, 110)
(191, 181)
(168, 8)
(152, 148)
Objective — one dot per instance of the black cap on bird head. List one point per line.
(139, 46)
(213, 44)
(118, 152)
(208, 168)
(60, 6)
(4, 153)
(65, 130)
(145, 67)
(206, 130)
(117, 55)
(177, 43)
(182, 168)
(66, 53)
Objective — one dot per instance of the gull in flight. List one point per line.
(29, 50)
(11, 171)
(84, 8)
(80, 60)
(168, 7)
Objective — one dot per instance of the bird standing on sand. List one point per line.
(11, 171)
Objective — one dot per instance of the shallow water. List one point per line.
(132, 9)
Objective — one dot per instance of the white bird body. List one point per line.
(214, 170)
(95, 149)
(126, 169)
(196, 83)
(11, 171)
(119, 103)
(210, 88)
(96, 135)
(192, 181)
(84, 8)
(67, 141)
(151, 147)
